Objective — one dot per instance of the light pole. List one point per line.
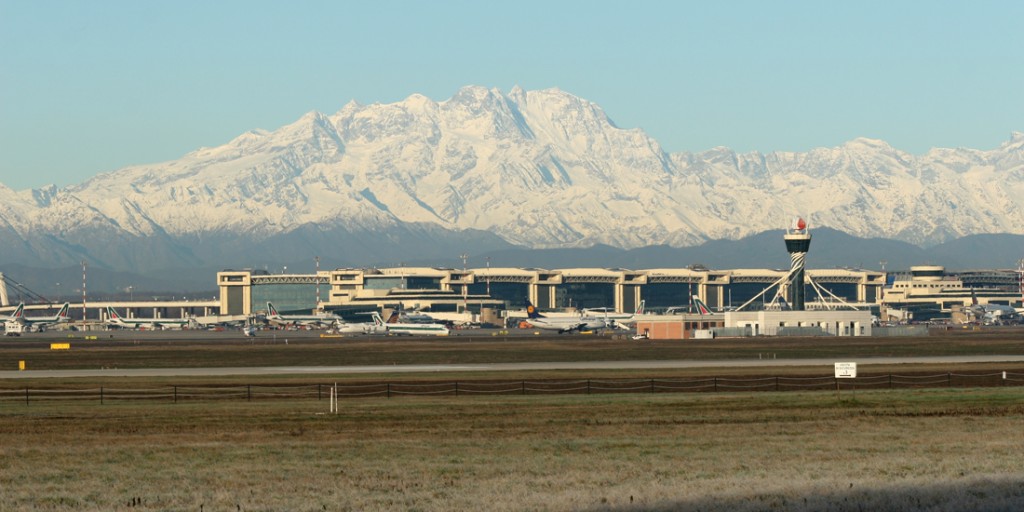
(465, 306)
(131, 293)
(84, 312)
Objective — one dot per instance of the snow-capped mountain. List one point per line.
(534, 168)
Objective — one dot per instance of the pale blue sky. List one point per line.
(92, 86)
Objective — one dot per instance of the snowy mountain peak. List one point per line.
(540, 168)
(867, 144)
(1016, 142)
(247, 138)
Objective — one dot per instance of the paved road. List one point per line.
(827, 365)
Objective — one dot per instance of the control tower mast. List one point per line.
(3, 290)
(798, 242)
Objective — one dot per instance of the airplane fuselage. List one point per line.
(415, 329)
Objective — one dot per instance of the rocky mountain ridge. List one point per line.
(487, 170)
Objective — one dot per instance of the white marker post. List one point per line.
(845, 371)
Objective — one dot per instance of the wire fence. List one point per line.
(251, 392)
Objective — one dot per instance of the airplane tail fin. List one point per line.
(702, 308)
(393, 318)
(271, 310)
(62, 315)
(19, 313)
(112, 314)
(640, 308)
(377, 320)
(531, 310)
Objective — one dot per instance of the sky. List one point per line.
(91, 87)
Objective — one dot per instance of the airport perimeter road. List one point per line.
(826, 364)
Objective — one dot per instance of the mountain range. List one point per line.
(489, 172)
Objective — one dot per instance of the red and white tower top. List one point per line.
(798, 225)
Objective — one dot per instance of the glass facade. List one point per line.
(845, 291)
(287, 298)
(738, 293)
(660, 296)
(402, 283)
(514, 294)
(422, 283)
(629, 300)
(585, 295)
(382, 283)
(235, 297)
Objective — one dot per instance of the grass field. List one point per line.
(924, 449)
(881, 450)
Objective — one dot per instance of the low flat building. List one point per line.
(678, 327)
(801, 323)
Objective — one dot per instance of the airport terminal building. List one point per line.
(244, 292)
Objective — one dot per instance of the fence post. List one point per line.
(652, 386)
(389, 390)
(456, 388)
(524, 391)
(175, 394)
(26, 395)
(318, 397)
(890, 381)
(716, 384)
(588, 386)
(776, 383)
(101, 395)
(949, 380)
(248, 392)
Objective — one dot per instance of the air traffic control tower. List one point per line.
(798, 242)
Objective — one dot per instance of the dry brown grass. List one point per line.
(884, 450)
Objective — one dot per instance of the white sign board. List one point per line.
(846, 370)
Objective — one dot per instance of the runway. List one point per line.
(825, 364)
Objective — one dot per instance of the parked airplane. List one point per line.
(37, 323)
(700, 306)
(113, 318)
(562, 324)
(416, 317)
(992, 313)
(318, 319)
(394, 326)
(374, 327)
(611, 318)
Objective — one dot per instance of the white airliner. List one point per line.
(562, 324)
(318, 319)
(992, 313)
(610, 317)
(113, 318)
(375, 327)
(416, 317)
(700, 306)
(414, 329)
(35, 323)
